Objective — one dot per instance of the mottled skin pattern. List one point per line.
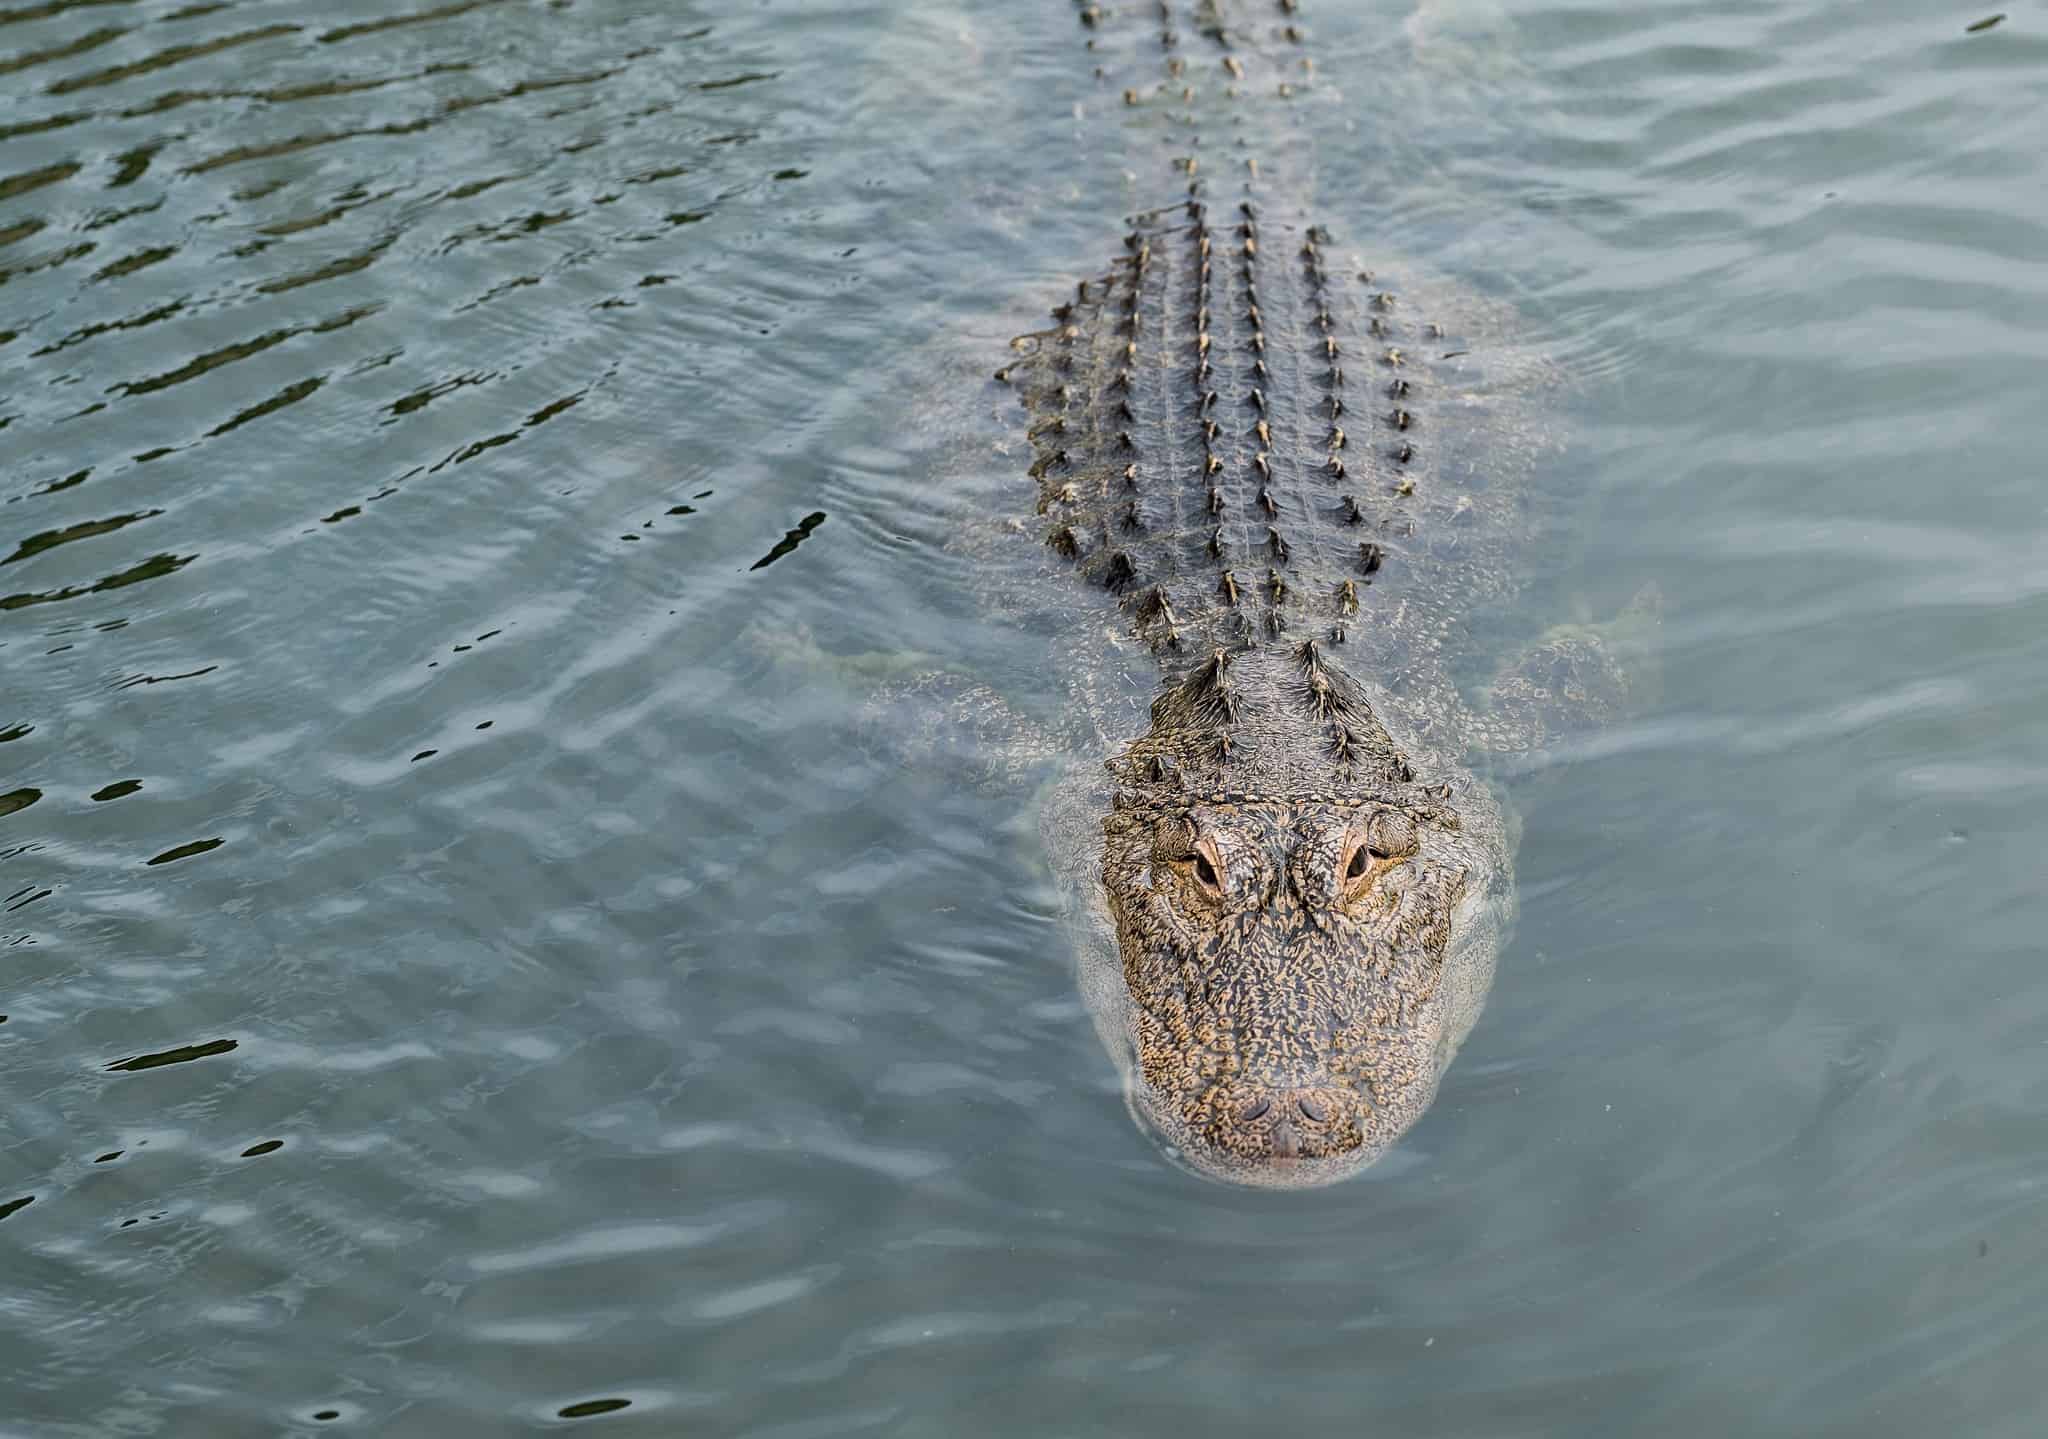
(1288, 891)
(1304, 937)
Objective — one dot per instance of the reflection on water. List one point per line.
(514, 988)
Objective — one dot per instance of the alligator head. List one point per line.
(1305, 929)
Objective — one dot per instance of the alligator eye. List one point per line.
(1209, 868)
(1356, 870)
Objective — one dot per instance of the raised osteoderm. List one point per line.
(1305, 891)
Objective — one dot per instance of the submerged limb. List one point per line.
(1573, 679)
(1467, 41)
(795, 650)
(909, 710)
(944, 722)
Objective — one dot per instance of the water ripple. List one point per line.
(470, 466)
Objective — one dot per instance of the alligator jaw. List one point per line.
(1291, 1048)
(1295, 1139)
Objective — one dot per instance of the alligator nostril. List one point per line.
(1313, 1110)
(1254, 1110)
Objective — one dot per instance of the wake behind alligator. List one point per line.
(1288, 892)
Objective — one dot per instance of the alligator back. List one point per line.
(1243, 430)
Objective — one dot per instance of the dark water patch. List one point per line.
(186, 851)
(164, 59)
(103, 219)
(555, 407)
(119, 789)
(656, 175)
(241, 350)
(299, 144)
(475, 448)
(280, 228)
(394, 22)
(51, 487)
(110, 1156)
(12, 64)
(267, 1146)
(28, 180)
(15, 1206)
(184, 1054)
(530, 87)
(155, 567)
(528, 224)
(132, 165)
(133, 322)
(16, 800)
(290, 395)
(419, 399)
(471, 188)
(142, 681)
(48, 262)
(129, 264)
(790, 540)
(43, 125)
(84, 530)
(539, 417)
(17, 731)
(331, 270)
(21, 230)
(256, 190)
(591, 1408)
(25, 898)
(328, 89)
(517, 282)
(1979, 27)
(49, 9)
(751, 78)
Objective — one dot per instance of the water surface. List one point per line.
(467, 970)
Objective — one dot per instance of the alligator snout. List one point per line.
(1288, 1122)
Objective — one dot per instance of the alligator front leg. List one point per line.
(908, 709)
(953, 724)
(1574, 679)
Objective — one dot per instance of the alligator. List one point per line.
(1289, 890)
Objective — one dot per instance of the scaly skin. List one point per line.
(1294, 903)
(1305, 934)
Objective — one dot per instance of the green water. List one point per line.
(461, 977)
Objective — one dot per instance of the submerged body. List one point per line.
(1288, 891)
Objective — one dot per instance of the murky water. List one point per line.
(465, 971)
